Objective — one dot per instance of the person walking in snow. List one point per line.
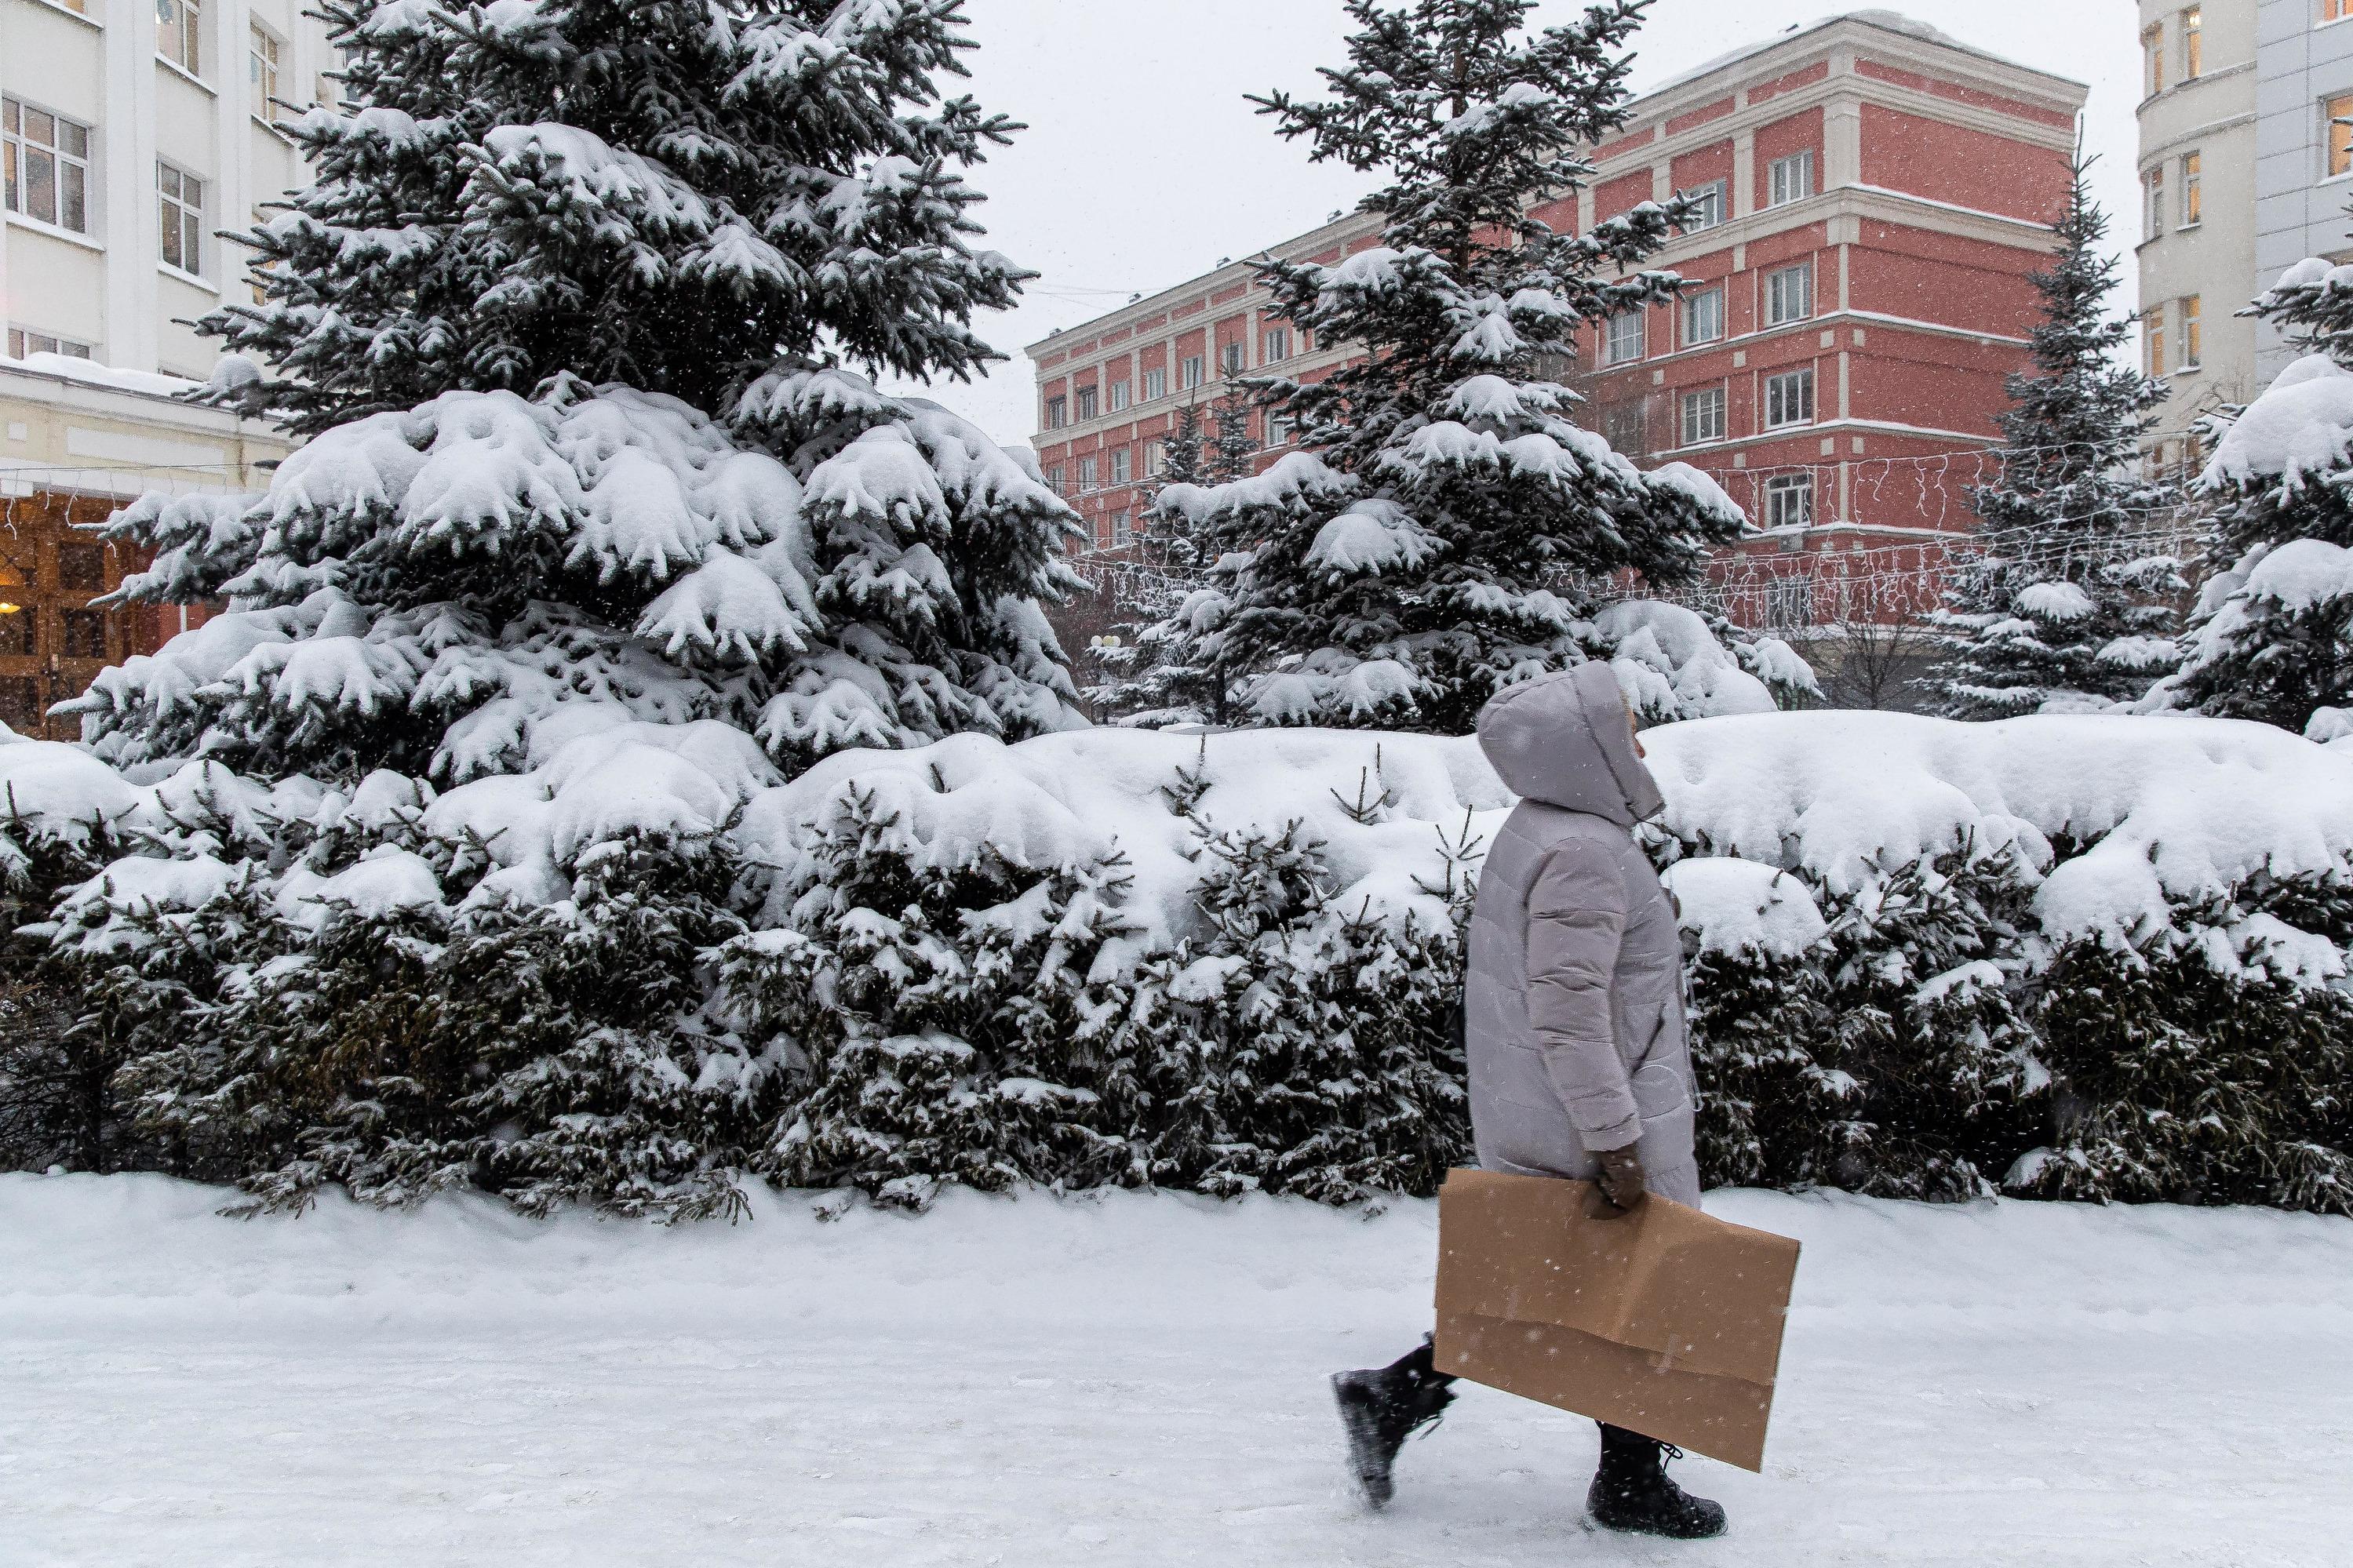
(1573, 1027)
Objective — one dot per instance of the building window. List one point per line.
(2193, 43)
(23, 341)
(1702, 416)
(2336, 10)
(1278, 345)
(261, 73)
(2193, 199)
(1789, 294)
(46, 160)
(179, 35)
(1155, 384)
(1155, 459)
(1121, 471)
(1231, 357)
(1790, 179)
(1119, 398)
(81, 568)
(1054, 480)
(1702, 317)
(1190, 373)
(1790, 398)
(85, 634)
(2190, 345)
(20, 639)
(1278, 431)
(1709, 211)
(1086, 474)
(1058, 413)
(1122, 530)
(1790, 500)
(183, 200)
(2153, 191)
(2339, 111)
(2153, 345)
(2152, 57)
(1086, 403)
(1621, 338)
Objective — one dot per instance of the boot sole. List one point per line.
(1376, 1487)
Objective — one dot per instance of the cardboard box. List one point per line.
(1665, 1322)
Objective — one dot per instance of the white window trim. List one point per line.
(71, 236)
(86, 20)
(1723, 416)
(192, 278)
(185, 75)
(1771, 321)
(1723, 189)
(1723, 322)
(1801, 484)
(1813, 396)
(1610, 357)
(1802, 158)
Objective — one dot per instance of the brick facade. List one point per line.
(1886, 197)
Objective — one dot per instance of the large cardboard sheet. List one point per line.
(1665, 1322)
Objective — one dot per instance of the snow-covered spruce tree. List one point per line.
(2272, 638)
(1151, 683)
(1415, 554)
(943, 1014)
(570, 315)
(1233, 455)
(2061, 610)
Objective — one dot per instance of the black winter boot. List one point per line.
(1630, 1490)
(1381, 1409)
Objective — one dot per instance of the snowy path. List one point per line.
(1136, 1380)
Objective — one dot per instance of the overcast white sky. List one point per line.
(1142, 166)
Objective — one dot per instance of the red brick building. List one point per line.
(1878, 194)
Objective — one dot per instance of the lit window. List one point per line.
(1621, 338)
(2336, 10)
(1190, 372)
(1789, 294)
(1702, 416)
(261, 73)
(2152, 55)
(1121, 472)
(1058, 413)
(1702, 317)
(1118, 395)
(2193, 43)
(1790, 398)
(22, 341)
(2191, 346)
(47, 162)
(1155, 384)
(183, 214)
(1790, 500)
(2153, 192)
(2193, 200)
(1790, 179)
(1086, 403)
(1709, 210)
(2153, 345)
(1086, 473)
(179, 35)
(2340, 131)
(1278, 345)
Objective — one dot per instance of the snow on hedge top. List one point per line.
(2300, 427)
(1744, 909)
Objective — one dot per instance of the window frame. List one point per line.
(1088, 469)
(2191, 167)
(2152, 202)
(19, 343)
(2193, 42)
(185, 18)
(1799, 166)
(2335, 135)
(1121, 397)
(1085, 401)
(1155, 459)
(1775, 316)
(1779, 489)
(1717, 195)
(1801, 377)
(1613, 351)
(1123, 466)
(1713, 295)
(191, 222)
(2188, 311)
(1709, 404)
(1122, 530)
(2152, 344)
(2152, 59)
(1058, 412)
(1155, 384)
(18, 150)
(261, 75)
(2335, 11)
(1193, 371)
(1234, 357)
(1274, 345)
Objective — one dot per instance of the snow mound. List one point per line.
(2300, 427)
(1744, 909)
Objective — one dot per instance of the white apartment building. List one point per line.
(2246, 168)
(131, 131)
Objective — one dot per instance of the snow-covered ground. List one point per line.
(1124, 1380)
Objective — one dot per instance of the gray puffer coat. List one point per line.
(1573, 1002)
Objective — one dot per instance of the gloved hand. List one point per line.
(1620, 1180)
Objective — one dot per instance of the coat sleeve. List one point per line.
(1577, 914)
